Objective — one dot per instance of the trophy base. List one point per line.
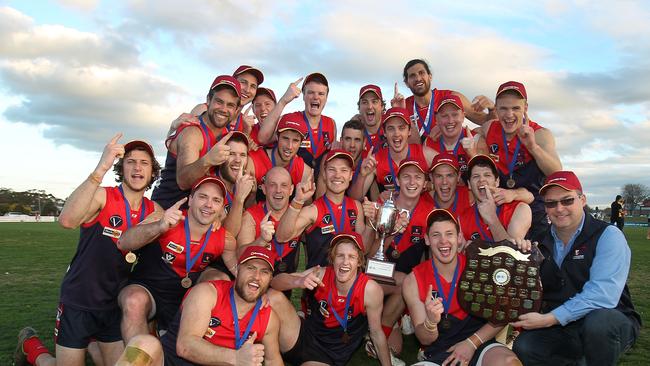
(381, 271)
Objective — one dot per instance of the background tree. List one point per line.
(634, 194)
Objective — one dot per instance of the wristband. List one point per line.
(479, 338)
(94, 179)
(296, 205)
(430, 326)
(472, 343)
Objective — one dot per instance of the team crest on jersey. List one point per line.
(579, 253)
(352, 214)
(388, 178)
(207, 258)
(115, 220)
(226, 208)
(214, 322)
(168, 257)
(293, 243)
(415, 239)
(326, 138)
(494, 148)
(326, 219)
(113, 233)
(175, 247)
(416, 230)
(475, 236)
(322, 307)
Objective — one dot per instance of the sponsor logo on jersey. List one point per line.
(175, 247)
(209, 333)
(293, 243)
(168, 257)
(115, 220)
(579, 253)
(352, 214)
(207, 258)
(415, 239)
(475, 236)
(327, 229)
(416, 230)
(214, 322)
(305, 144)
(113, 233)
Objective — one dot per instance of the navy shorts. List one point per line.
(75, 328)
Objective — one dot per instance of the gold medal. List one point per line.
(395, 253)
(186, 282)
(445, 323)
(510, 183)
(130, 257)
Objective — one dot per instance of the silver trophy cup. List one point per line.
(378, 268)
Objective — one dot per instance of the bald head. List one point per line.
(277, 188)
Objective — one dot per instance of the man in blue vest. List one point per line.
(587, 312)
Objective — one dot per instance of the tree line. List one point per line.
(29, 202)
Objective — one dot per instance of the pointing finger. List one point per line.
(247, 112)
(178, 204)
(297, 81)
(116, 138)
(225, 138)
(266, 217)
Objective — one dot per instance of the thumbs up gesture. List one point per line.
(250, 353)
(267, 228)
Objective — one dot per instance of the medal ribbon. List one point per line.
(279, 248)
(446, 299)
(239, 338)
(443, 148)
(289, 167)
(206, 131)
(189, 260)
(343, 320)
(237, 124)
(478, 220)
(511, 163)
(338, 226)
(357, 169)
(453, 209)
(428, 121)
(128, 209)
(392, 170)
(314, 147)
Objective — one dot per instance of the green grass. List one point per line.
(36, 255)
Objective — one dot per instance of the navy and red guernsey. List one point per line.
(462, 324)
(458, 151)
(319, 234)
(460, 203)
(98, 270)
(473, 227)
(319, 139)
(220, 331)
(286, 251)
(322, 325)
(373, 142)
(167, 192)
(524, 169)
(424, 122)
(263, 162)
(162, 264)
(385, 176)
(407, 249)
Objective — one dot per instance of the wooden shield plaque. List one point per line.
(500, 282)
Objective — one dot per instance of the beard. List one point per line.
(226, 173)
(239, 288)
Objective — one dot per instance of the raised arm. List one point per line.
(297, 218)
(140, 235)
(190, 165)
(541, 146)
(270, 123)
(425, 315)
(88, 198)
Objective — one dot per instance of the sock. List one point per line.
(33, 347)
(387, 330)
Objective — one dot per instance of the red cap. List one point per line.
(513, 85)
(396, 112)
(445, 159)
(440, 212)
(478, 158)
(250, 69)
(258, 252)
(266, 91)
(370, 88)
(349, 236)
(228, 81)
(241, 136)
(449, 99)
(141, 144)
(339, 153)
(418, 163)
(315, 77)
(564, 179)
(291, 122)
(209, 179)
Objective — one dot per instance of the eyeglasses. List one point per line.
(565, 202)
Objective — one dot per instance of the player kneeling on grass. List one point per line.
(88, 306)
(175, 251)
(220, 322)
(342, 303)
(450, 335)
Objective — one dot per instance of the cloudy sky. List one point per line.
(75, 72)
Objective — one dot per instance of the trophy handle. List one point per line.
(370, 218)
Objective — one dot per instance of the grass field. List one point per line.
(36, 255)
